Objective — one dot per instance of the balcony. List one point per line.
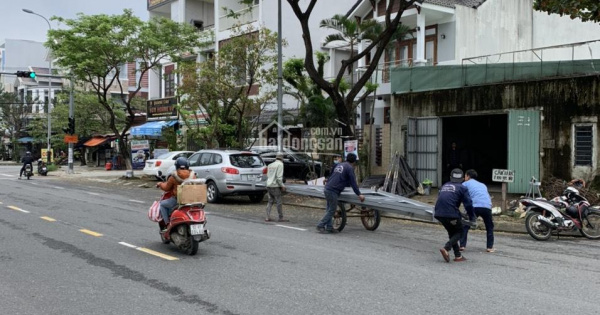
(239, 17)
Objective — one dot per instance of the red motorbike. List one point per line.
(187, 227)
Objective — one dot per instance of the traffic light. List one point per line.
(26, 74)
(71, 126)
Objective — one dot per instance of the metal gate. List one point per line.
(523, 148)
(422, 143)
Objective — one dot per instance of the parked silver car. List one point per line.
(230, 173)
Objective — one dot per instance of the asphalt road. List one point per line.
(87, 247)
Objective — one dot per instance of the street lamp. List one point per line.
(49, 87)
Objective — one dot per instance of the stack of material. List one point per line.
(553, 187)
(400, 178)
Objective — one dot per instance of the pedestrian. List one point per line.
(341, 177)
(275, 186)
(482, 207)
(451, 195)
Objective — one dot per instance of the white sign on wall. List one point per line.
(505, 176)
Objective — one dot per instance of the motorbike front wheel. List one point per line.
(535, 228)
(590, 227)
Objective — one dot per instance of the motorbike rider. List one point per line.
(27, 159)
(181, 173)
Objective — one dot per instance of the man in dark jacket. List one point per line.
(342, 176)
(27, 159)
(451, 194)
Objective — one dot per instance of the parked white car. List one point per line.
(163, 162)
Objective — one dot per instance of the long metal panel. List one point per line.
(381, 201)
(422, 151)
(523, 148)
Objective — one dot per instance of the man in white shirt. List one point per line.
(275, 187)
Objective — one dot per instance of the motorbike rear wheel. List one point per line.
(590, 227)
(535, 228)
(193, 248)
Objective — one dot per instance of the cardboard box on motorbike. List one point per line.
(191, 193)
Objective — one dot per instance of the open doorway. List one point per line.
(481, 142)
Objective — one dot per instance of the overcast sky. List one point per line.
(16, 24)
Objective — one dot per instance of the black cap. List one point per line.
(457, 176)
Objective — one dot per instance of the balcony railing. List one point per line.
(243, 16)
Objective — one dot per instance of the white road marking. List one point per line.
(18, 209)
(94, 194)
(138, 201)
(127, 244)
(59, 188)
(35, 184)
(290, 227)
(8, 175)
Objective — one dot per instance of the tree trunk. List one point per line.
(125, 154)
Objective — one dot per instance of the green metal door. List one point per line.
(523, 148)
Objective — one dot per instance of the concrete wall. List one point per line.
(200, 11)
(495, 26)
(445, 48)
(562, 103)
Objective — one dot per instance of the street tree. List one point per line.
(91, 119)
(13, 113)
(586, 10)
(344, 102)
(94, 48)
(228, 87)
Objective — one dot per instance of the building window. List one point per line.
(386, 115)
(169, 81)
(583, 145)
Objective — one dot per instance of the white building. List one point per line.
(19, 55)
(209, 15)
(450, 32)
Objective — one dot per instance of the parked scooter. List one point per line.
(568, 212)
(187, 225)
(42, 169)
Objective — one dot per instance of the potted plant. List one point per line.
(427, 186)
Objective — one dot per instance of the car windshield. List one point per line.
(246, 160)
(301, 155)
(164, 156)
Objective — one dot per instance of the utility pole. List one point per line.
(279, 83)
(71, 118)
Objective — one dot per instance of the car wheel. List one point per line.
(212, 192)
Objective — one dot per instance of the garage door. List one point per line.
(422, 145)
(523, 148)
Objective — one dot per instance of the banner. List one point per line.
(45, 157)
(351, 146)
(139, 153)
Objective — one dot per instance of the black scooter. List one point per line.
(42, 168)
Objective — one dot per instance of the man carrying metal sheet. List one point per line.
(450, 196)
(342, 176)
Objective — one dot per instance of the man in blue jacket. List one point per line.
(482, 207)
(342, 176)
(451, 195)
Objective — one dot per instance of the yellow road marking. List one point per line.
(155, 253)
(18, 209)
(48, 219)
(92, 233)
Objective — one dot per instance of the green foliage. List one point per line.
(587, 10)
(349, 30)
(93, 48)
(222, 88)
(12, 115)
